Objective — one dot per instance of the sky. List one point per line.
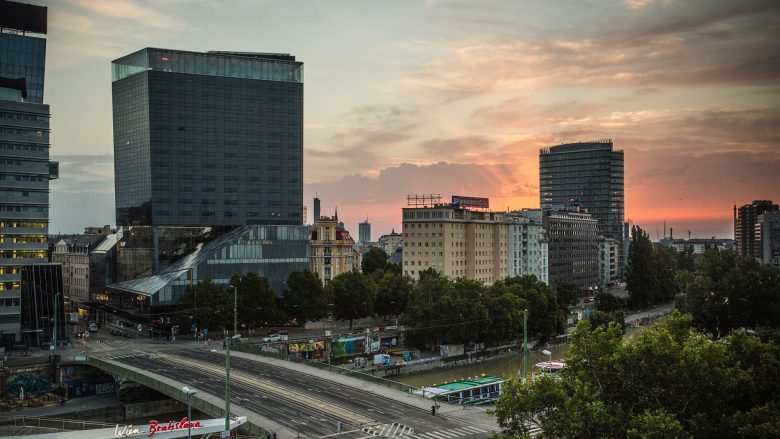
(457, 97)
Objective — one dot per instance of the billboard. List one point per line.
(461, 201)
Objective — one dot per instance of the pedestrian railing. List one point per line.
(50, 423)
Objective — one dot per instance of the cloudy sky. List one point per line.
(457, 97)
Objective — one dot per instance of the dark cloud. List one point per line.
(679, 43)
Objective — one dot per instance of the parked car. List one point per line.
(272, 338)
(93, 327)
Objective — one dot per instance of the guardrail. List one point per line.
(173, 392)
(51, 423)
(362, 376)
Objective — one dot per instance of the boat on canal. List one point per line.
(470, 391)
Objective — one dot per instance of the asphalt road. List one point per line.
(302, 402)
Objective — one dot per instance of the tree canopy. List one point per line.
(671, 381)
(304, 297)
(727, 291)
(353, 295)
(374, 259)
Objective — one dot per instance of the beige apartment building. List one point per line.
(456, 242)
(331, 250)
(73, 252)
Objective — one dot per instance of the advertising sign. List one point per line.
(462, 201)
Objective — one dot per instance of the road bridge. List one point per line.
(293, 399)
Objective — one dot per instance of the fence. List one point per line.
(51, 423)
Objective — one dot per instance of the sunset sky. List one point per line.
(456, 97)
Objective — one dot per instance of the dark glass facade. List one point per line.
(208, 139)
(572, 249)
(22, 63)
(588, 174)
(25, 168)
(42, 304)
(271, 251)
(745, 220)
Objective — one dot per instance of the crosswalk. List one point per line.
(395, 429)
(451, 433)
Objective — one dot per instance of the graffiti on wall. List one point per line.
(343, 347)
(315, 349)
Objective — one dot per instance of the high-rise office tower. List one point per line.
(745, 220)
(364, 232)
(589, 175)
(208, 139)
(316, 210)
(25, 168)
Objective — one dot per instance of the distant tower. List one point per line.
(364, 232)
(316, 209)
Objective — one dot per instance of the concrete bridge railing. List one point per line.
(202, 402)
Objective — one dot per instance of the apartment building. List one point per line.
(455, 241)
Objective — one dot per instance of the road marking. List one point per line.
(396, 429)
(269, 387)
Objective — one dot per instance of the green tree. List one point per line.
(304, 297)
(374, 259)
(214, 307)
(601, 318)
(353, 295)
(728, 291)
(670, 381)
(258, 304)
(607, 302)
(639, 275)
(393, 292)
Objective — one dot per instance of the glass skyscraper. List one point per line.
(589, 175)
(208, 139)
(25, 168)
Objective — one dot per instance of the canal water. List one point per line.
(507, 367)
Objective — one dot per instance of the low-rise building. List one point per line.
(332, 250)
(698, 245)
(73, 252)
(389, 243)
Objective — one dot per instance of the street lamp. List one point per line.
(227, 382)
(189, 392)
(549, 358)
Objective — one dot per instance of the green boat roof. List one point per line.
(468, 384)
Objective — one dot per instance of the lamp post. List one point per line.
(189, 392)
(235, 310)
(549, 358)
(525, 344)
(227, 382)
(56, 319)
